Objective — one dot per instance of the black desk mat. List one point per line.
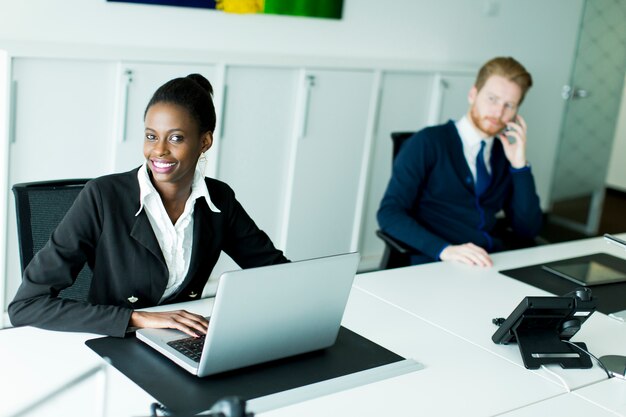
(609, 297)
(182, 392)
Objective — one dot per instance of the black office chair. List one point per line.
(40, 206)
(396, 254)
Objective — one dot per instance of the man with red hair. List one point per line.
(450, 181)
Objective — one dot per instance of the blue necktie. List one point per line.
(483, 179)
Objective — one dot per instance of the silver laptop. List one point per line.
(266, 313)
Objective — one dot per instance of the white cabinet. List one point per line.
(292, 148)
(255, 142)
(328, 156)
(307, 151)
(255, 126)
(404, 106)
(135, 85)
(62, 118)
(454, 92)
(62, 129)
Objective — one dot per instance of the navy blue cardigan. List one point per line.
(430, 200)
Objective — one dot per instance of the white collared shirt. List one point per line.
(471, 138)
(175, 240)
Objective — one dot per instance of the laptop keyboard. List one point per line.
(190, 347)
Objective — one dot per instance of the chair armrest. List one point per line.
(395, 244)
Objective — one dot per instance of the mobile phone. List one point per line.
(510, 138)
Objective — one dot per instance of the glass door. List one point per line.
(593, 99)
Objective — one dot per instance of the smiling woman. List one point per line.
(177, 133)
(151, 235)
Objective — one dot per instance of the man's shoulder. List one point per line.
(435, 136)
(444, 130)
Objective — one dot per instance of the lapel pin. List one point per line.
(132, 299)
(193, 294)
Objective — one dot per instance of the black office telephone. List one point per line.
(541, 325)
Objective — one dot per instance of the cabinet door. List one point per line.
(328, 158)
(259, 109)
(136, 83)
(404, 106)
(255, 141)
(62, 129)
(454, 90)
(62, 116)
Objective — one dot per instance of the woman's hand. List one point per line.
(192, 324)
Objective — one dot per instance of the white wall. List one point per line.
(541, 34)
(616, 176)
(442, 30)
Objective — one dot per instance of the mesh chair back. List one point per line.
(40, 207)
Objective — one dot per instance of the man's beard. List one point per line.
(485, 126)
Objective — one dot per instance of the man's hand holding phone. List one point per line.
(513, 139)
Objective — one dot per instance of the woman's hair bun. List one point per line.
(202, 82)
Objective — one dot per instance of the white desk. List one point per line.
(438, 314)
(458, 379)
(563, 405)
(35, 362)
(463, 300)
(457, 373)
(609, 394)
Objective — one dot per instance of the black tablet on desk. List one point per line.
(597, 269)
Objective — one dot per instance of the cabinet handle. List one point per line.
(13, 120)
(223, 115)
(437, 99)
(128, 78)
(379, 99)
(310, 82)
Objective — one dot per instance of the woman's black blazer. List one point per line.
(121, 249)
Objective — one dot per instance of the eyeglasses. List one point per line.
(496, 101)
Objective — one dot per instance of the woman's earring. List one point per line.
(204, 161)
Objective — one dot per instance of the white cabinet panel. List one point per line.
(328, 162)
(254, 145)
(136, 83)
(404, 106)
(62, 114)
(455, 89)
(63, 111)
(256, 137)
